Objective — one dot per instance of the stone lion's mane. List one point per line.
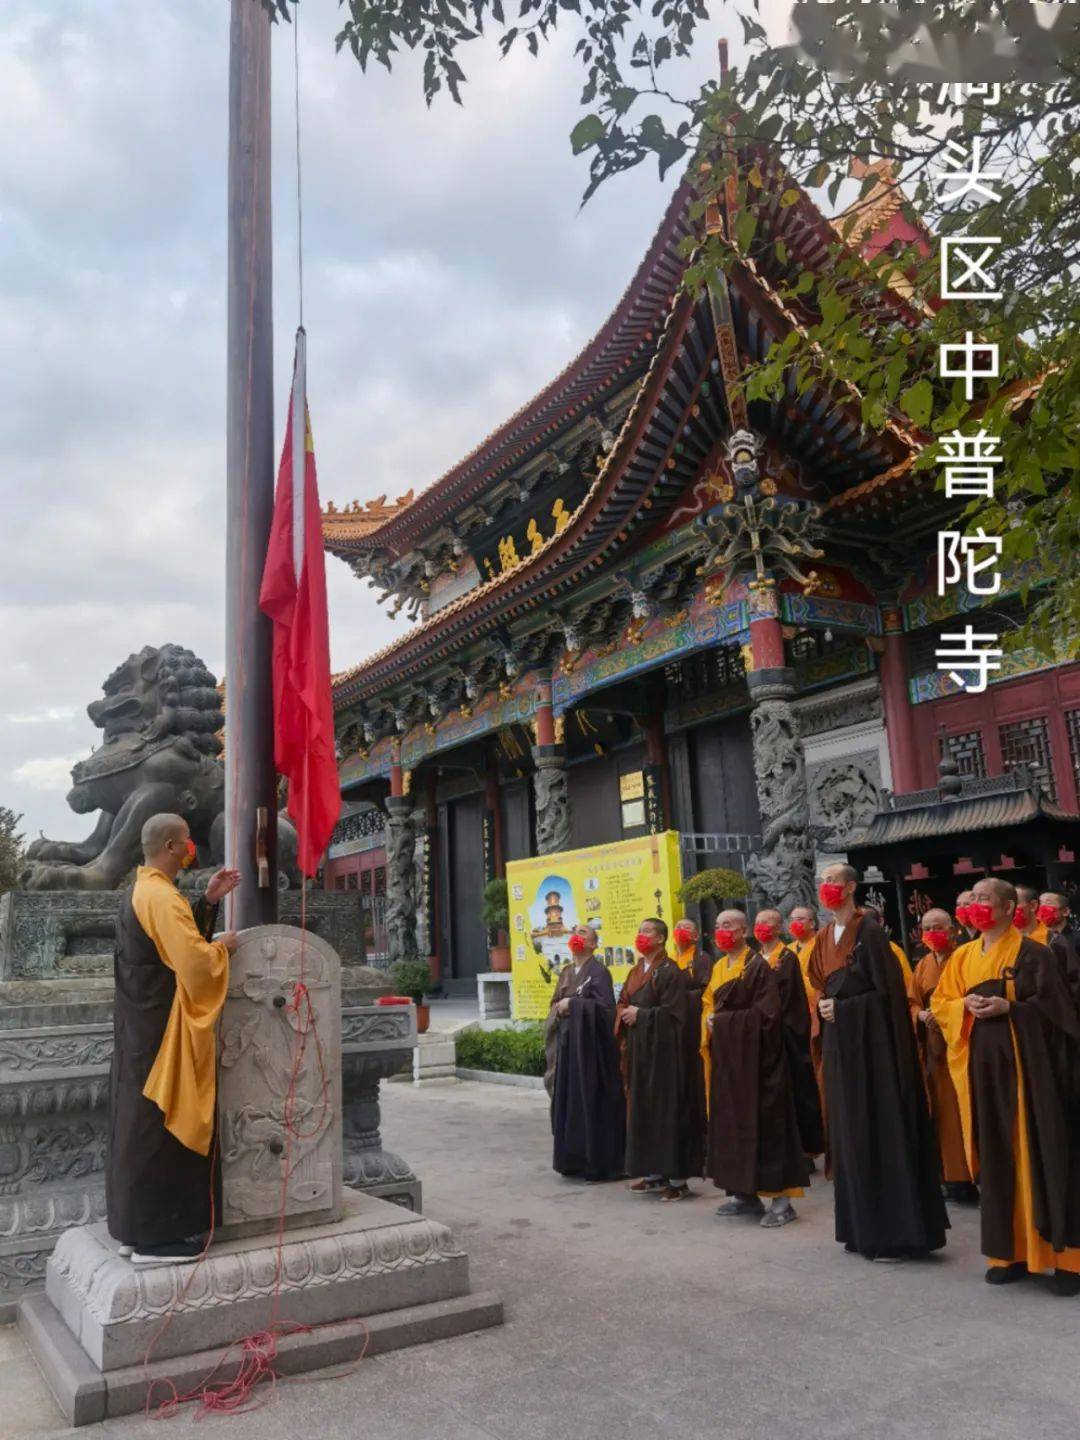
(190, 702)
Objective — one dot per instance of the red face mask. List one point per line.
(937, 940)
(831, 894)
(191, 854)
(981, 915)
(645, 944)
(1021, 917)
(963, 914)
(724, 937)
(683, 935)
(578, 944)
(1049, 915)
(765, 933)
(801, 929)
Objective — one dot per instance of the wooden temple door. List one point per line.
(468, 938)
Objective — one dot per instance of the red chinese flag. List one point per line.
(294, 597)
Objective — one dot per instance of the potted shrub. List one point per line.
(715, 887)
(495, 913)
(413, 978)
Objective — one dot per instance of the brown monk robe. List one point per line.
(755, 1148)
(885, 1163)
(796, 1016)
(1003, 1002)
(939, 937)
(588, 1108)
(162, 1186)
(650, 1024)
(696, 969)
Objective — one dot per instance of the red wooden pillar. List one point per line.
(397, 774)
(545, 715)
(896, 703)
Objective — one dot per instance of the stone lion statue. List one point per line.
(161, 714)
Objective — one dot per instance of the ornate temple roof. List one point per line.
(658, 349)
(628, 336)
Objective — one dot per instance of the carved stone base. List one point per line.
(102, 1314)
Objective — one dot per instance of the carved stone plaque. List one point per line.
(279, 1082)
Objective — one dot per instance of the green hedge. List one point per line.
(511, 1052)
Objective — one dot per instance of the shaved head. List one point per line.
(965, 897)
(1051, 897)
(937, 920)
(1026, 894)
(732, 920)
(771, 917)
(687, 924)
(587, 933)
(804, 912)
(159, 830)
(996, 892)
(841, 875)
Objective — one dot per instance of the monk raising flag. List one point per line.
(294, 597)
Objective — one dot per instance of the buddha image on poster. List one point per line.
(610, 887)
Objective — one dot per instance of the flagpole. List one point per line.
(250, 780)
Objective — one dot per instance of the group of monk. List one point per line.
(957, 1079)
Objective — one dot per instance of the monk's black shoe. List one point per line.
(174, 1252)
(1065, 1283)
(748, 1205)
(1006, 1274)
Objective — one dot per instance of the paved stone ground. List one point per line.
(632, 1320)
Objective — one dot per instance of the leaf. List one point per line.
(587, 133)
(781, 252)
(745, 229)
(789, 198)
(918, 403)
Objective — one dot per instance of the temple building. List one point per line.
(644, 604)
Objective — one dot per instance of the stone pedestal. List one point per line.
(346, 1261)
(376, 1274)
(55, 1049)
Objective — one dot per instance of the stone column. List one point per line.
(550, 785)
(401, 879)
(782, 872)
(896, 704)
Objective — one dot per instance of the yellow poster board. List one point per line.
(611, 887)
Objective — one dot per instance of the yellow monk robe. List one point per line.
(183, 1079)
(969, 966)
(726, 969)
(802, 949)
(1040, 933)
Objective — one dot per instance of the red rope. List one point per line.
(257, 1375)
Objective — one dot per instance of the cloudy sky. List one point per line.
(449, 273)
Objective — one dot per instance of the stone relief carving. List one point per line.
(366, 1028)
(837, 712)
(279, 1102)
(844, 797)
(113, 1291)
(552, 806)
(40, 1156)
(401, 882)
(782, 871)
(25, 1052)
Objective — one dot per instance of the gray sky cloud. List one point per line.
(449, 274)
